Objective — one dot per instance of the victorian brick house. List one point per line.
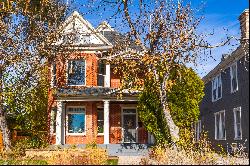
(225, 106)
(83, 106)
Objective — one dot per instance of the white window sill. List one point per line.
(221, 139)
(216, 99)
(234, 91)
(237, 138)
(75, 134)
(100, 134)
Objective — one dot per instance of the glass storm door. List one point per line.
(129, 126)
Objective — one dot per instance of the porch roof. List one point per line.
(94, 92)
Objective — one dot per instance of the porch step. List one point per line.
(127, 149)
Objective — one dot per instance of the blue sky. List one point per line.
(219, 15)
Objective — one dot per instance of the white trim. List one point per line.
(235, 125)
(106, 121)
(85, 124)
(231, 77)
(122, 123)
(96, 99)
(72, 17)
(59, 123)
(67, 66)
(217, 134)
(107, 76)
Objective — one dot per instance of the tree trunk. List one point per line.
(174, 130)
(3, 122)
(5, 133)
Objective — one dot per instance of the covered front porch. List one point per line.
(102, 121)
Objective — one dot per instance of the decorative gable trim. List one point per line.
(72, 19)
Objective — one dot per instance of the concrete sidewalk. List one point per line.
(130, 160)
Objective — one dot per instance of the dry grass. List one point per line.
(193, 153)
(87, 156)
(171, 156)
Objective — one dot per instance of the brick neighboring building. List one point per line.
(83, 106)
(225, 106)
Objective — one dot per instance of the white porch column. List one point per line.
(59, 123)
(107, 77)
(106, 121)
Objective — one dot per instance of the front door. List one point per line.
(129, 124)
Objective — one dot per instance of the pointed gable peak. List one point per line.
(75, 13)
(104, 26)
(78, 31)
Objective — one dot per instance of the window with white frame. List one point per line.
(197, 130)
(100, 120)
(234, 79)
(237, 123)
(220, 130)
(53, 75)
(76, 72)
(216, 88)
(76, 120)
(101, 74)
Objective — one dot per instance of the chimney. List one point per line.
(244, 25)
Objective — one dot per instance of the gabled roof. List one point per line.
(104, 26)
(224, 64)
(78, 32)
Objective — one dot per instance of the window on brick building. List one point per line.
(76, 120)
(100, 120)
(237, 123)
(234, 79)
(101, 74)
(216, 88)
(76, 72)
(220, 129)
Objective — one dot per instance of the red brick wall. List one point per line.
(91, 126)
(114, 79)
(91, 68)
(115, 133)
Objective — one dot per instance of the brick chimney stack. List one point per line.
(244, 25)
